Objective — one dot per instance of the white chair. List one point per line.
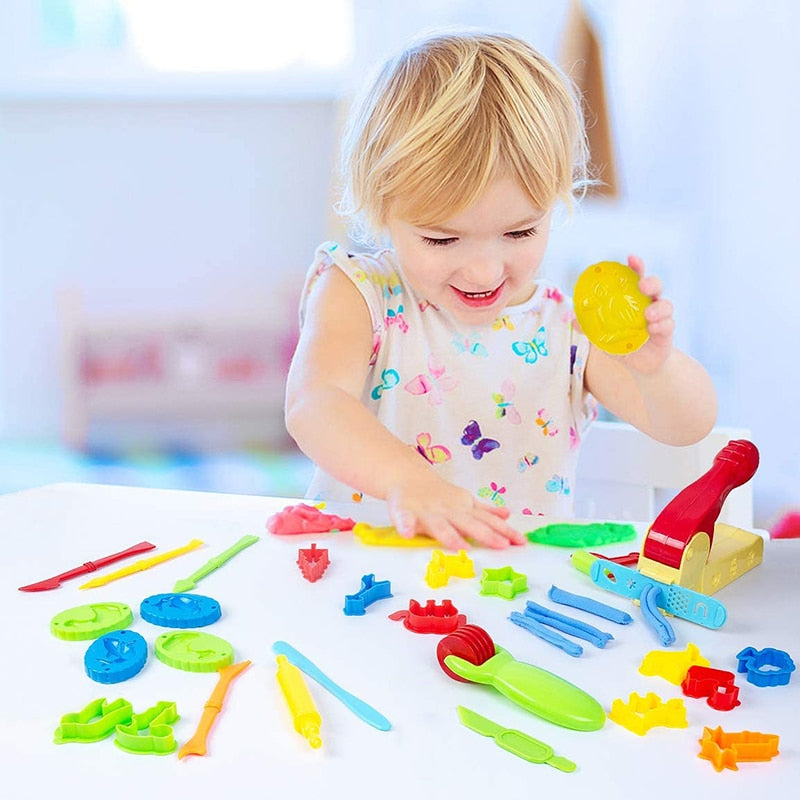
(624, 475)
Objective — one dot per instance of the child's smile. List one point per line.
(479, 299)
(480, 260)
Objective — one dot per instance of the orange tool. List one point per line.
(196, 746)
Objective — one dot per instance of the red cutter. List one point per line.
(312, 562)
(715, 684)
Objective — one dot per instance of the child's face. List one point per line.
(482, 259)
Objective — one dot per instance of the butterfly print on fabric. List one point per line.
(395, 317)
(433, 453)
(532, 349)
(392, 287)
(503, 322)
(552, 293)
(472, 437)
(389, 379)
(505, 408)
(493, 493)
(432, 384)
(558, 485)
(466, 345)
(545, 423)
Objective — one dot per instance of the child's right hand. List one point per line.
(449, 514)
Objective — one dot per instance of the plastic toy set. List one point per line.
(684, 553)
(685, 557)
(116, 654)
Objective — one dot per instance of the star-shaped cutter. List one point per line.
(503, 582)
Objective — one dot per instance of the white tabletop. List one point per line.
(253, 749)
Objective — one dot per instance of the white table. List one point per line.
(253, 749)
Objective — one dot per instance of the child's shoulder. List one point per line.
(380, 262)
(375, 273)
(377, 276)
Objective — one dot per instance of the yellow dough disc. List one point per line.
(610, 307)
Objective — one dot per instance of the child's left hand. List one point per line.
(651, 356)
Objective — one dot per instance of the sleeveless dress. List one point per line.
(498, 409)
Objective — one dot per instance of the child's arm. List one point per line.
(658, 389)
(325, 416)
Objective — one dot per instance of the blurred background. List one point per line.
(167, 168)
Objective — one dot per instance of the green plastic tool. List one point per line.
(94, 722)
(516, 742)
(535, 689)
(151, 731)
(187, 584)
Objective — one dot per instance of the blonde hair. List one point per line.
(445, 117)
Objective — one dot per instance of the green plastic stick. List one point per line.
(187, 584)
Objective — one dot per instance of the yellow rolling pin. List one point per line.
(306, 718)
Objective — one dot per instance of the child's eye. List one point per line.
(522, 234)
(429, 240)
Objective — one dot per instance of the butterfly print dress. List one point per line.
(498, 409)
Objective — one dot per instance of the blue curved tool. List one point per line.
(361, 709)
(648, 601)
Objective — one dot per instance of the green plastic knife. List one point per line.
(187, 584)
(516, 742)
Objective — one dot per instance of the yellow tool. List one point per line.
(142, 564)
(306, 718)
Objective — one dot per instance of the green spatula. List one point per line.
(516, 742)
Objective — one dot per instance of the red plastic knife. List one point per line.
(89, 566)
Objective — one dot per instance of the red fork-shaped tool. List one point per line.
(695, 509)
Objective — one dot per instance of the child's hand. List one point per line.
(450, 514)
(660, 325)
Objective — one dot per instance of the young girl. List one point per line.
(441, 374)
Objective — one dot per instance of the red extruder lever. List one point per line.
(695, 509)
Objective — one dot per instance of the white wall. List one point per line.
(146, 206)
(708, 111)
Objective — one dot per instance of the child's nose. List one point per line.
(483, 271)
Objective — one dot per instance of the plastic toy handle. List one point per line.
(695, 509)
(535, 689)
(307, 720)
(582, 560)
(197, 744)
